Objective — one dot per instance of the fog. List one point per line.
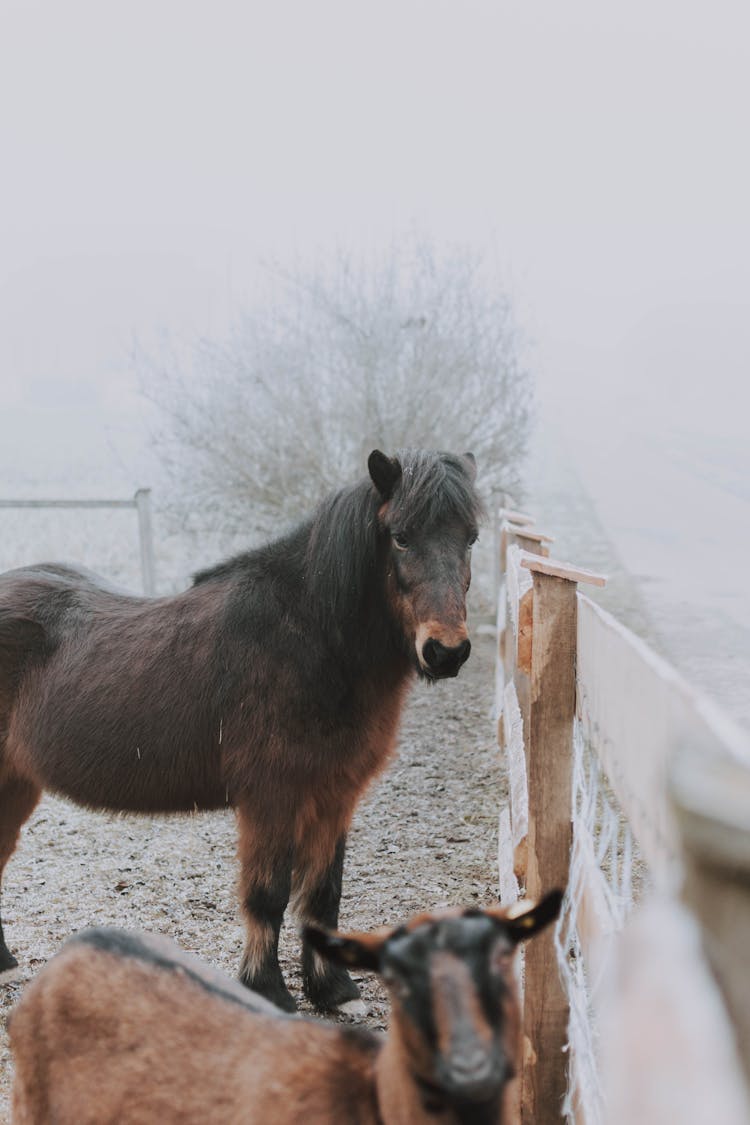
(155, 154)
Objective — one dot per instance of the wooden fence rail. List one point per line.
(564, 661)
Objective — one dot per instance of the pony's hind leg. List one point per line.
(317, 897)
(265, 883)
(18, 798)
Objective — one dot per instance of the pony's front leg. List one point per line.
(265, 883)
(18, 800)
(317, 896)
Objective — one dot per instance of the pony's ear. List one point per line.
(385, 472)
(471, 462)
(356, 951)
(526, 918)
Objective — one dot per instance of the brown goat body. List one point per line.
(127, 1029)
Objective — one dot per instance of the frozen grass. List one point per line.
(425, 836)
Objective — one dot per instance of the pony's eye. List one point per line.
(473, 538)
(400, 542)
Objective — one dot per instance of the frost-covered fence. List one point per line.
(609, 753)
(141, 502)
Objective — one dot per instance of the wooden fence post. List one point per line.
(537, 653)
(549, 767)
(549, 770)
(512, 650)
(143, 503)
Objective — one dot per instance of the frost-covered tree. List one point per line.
(413, 349)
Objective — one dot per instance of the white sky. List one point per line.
(152, 152)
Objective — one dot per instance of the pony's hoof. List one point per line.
(285, 1001)
(271, 987)
(7, 976)
(355, 1009)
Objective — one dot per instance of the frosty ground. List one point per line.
(424, 836)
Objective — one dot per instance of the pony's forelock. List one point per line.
(435, 487)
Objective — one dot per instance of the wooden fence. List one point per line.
(142, 504)
(625, 785)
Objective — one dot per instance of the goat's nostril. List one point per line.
(476, 1078)
(477, 1063)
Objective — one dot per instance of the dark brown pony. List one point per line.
(274, 685)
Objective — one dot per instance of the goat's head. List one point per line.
(452, 987)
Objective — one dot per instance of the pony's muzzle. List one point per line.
(441, 661)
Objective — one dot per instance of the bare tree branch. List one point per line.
(413, 349)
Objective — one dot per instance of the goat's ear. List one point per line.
(356, 951)
(471, 464)
(526, 918)
(385, 472)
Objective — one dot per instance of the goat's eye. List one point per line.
(397, 985)
(400, 542)
(399, 988)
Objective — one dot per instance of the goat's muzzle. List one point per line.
(476, 1079)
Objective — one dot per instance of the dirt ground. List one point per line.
(425, 836)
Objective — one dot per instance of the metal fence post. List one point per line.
(143, 503)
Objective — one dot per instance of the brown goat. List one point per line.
(127, 1029)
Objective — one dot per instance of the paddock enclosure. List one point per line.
(642, 811)
(633, 791)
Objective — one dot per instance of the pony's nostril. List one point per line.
(439, 658)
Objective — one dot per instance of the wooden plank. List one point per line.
(525, 632)
(531, 545)
(529, 533)
(666, 1040)
(523, 536)
(549, 764)
(513, 516)
(542, 565)
(635, 711)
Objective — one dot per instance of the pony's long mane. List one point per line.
(342, 553)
